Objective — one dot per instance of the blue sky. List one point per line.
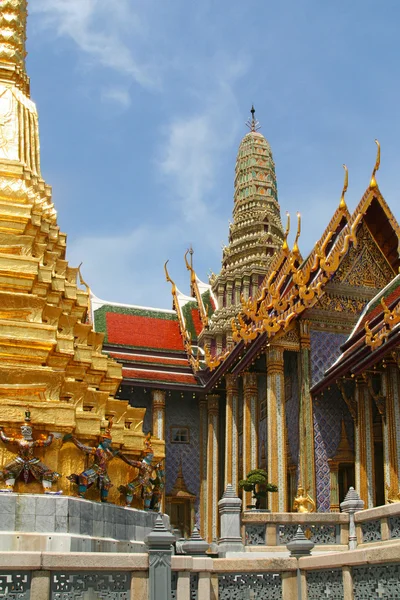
(142, 105)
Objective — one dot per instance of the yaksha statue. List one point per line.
(158, 487)
(26, 464)
(141, 486)
(97, 472)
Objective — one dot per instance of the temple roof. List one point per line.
(146, 341)
(376, 333)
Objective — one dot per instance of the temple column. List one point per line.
(246, 287)
(238, 285)
(220, 296)
(391, 435)
(218, 343)
(364, 445)
(277, 459)
(212, 467)
(203, 435)
(229, 293)
(158, 397)
(158, 406)
(231, 432)
(250, 429)
(306, 420)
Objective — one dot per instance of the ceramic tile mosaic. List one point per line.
(292, 404)
(325, 349)
(262, 425)
(329, 410)
(183, 412)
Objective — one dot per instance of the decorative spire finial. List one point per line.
(168, 278)
(252, 123)
(285, 246)
(342, 204)
(295, 245)
(373, 183)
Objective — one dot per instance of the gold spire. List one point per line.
(13, 14)
(295, 245)
(373, 183)
(342, 204)
(285, 246)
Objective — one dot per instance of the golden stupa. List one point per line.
(51, 359)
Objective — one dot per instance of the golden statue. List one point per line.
(303, 503)
(26, 464)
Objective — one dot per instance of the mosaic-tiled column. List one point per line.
(391, 431)
(306, 421)
(364, 445)
(276, 428)
(212, 468)
(203, 435)
(250, 428)
(158, 397)
(231, 432)
(158, 409)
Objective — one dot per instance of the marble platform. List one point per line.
(36, 522)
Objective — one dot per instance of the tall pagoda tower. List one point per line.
(254, 236)
(52, 364)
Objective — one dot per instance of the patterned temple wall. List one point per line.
(140, 398)
(292, 403)
(329, 410)
(262, 422)
(183, 412)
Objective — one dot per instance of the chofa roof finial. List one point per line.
(373, 183)
(342, 204)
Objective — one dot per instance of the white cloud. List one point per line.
(193, 148)
(116, 95)
(101, 29)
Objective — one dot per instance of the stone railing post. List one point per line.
(40, 585)
(230, 510)
(159, 542)
(299, 546)
(351, 504)
(195, 545)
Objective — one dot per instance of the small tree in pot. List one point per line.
(255, 479)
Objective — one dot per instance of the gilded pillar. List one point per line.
(364, 444)
(231, 432)
(306, 420)
(158, 397)
(250, 428)
(276, 420)
(391, 435)
(203, 434)
(212, 467)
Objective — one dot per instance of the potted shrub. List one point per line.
(256, 479)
